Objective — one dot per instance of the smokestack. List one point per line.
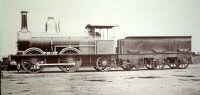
(24, 27)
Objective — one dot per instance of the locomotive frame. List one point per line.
(35, 53)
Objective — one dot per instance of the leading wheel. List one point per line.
(33, 65)
(103, 63)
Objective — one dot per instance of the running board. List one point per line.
(58, 64)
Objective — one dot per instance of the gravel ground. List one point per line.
(89, 82)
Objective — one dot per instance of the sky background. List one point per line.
(134, 17)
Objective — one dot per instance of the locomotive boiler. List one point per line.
(50, 40)
(53, 48)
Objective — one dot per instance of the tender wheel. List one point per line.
(33, 64)
(148, 63)
(134, 67)
(174, 64)
(159, 65)
(126, 65)
(103, 63)
(184, 63)
(73, 61)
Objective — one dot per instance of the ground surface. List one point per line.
(117, 82)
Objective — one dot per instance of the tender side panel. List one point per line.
(156, 44)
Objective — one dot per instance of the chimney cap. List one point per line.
(24, 11)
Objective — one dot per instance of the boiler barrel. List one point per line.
(44, 41)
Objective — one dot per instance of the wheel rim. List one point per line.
(96, 68)
(103, 63)
(70, 59)
(33, 50)
(33, 64)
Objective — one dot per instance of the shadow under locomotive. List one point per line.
(52, 48)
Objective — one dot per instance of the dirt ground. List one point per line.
(118, 82)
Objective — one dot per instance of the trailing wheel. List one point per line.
(184, 63)
(33, 64)
(103, 63)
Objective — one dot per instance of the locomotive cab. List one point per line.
(104, 43)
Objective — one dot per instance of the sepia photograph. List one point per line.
(100, 47)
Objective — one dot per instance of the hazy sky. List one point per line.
(134, 17)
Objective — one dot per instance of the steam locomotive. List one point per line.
(51, 48)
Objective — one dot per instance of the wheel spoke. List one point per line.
(70, 59)
(28, 65)
(103, 67)
(101, 60)
(103, 63)
(32, 68)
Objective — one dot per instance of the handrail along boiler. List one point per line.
(52, 48)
